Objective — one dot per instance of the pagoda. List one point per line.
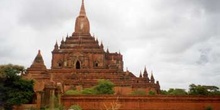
(80, 61)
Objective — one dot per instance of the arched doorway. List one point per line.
(77, 65)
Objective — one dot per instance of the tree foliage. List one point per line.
(104, 87)
(203, 90)
(173, 91)
(197, 90)
(163, 92)
(193, 90)
(177, 92)
(13, 89)
(5, 68)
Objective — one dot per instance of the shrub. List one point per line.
(73, 92)
(151, 93)
(89, 91)
(104, 87)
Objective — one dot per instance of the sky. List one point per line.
(176, 40)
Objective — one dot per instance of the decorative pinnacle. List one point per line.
(140, 75)
(39, 52)
(82, 10)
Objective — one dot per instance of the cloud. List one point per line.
(176, 39)
(203, 56)
(47, 14)
(210, 6)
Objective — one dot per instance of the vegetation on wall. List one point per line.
(103, 87)
(151, 93)
(13, 89)
(73, 92)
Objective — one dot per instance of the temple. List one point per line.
(80, 61)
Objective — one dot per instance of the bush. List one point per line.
(89, 91)
(151, 93)
(73, 92)
(104, 87)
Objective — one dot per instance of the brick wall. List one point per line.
(143, 103)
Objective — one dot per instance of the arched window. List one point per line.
(77, 65)
(59, 63)
(96, 64)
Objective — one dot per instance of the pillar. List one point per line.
(38, 94)
(52, 98)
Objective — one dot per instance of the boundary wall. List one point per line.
(158, 102)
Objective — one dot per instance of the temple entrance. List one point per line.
(78, 65)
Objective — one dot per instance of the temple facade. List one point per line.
(80, 61)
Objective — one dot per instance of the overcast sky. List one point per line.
(177, 40)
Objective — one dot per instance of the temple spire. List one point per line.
(56, 46)
(39, 58)
(145, 74)
(145, 71)
(82, 9)
(82, 26)
(140, 76)
(107, 50)
(152, 78)
(38, 62)
(101, 45)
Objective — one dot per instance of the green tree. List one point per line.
(173, 91)
(163, 92)
(17, 68)
(104, 87)
(212, 90)
(203, 90)
(13, 89)
(176, 91)
(197, 90)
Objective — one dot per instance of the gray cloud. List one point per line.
(176, 39)
(46, 14)
(204, 56)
